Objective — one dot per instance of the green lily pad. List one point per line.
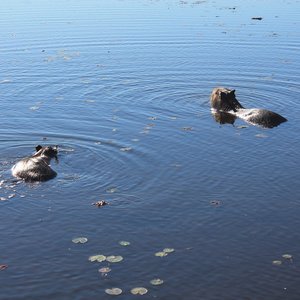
(98, 258)
(168, 250)
(104, 270)
(113, 291)
(156, 281)
(139, 291)
(161, 254)
(114, 258)
(277, 262)
(287, 256)
(80, 240)
(124, 243)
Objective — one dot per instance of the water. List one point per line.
(123, 88)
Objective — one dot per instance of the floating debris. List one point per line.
(152, 118)
(187, 128)
(80, 240)
(104, 270)
(114, 258)
(113, 291)
(3, 267)
(3, 199)
(124, 243)
(100, 203)
(156, 281)
(277, 262)
(125, 149)
(139, 291)
(257, 18)
(98, 258)
(215, 202)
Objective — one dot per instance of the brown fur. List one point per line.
(223, 100)
(36, 167)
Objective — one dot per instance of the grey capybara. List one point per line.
(36, 167)
(224, 100)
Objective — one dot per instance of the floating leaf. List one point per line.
(139, 291)
(100, 203)
(161, 254)
(98, 258)
(168, 250)
(113, 291)
(277, 262)
(104, 270)
(80, 240)
(156, 281)
(124, 243)
(114, 258)
(287, 256)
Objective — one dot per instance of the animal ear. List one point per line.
(232, 92)
(38, 148)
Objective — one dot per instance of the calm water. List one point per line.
(123, 88)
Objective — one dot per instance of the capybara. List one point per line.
(36, 167)
(224, 100)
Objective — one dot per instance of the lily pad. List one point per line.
(80, 240)
(161, 254)
(124, 243)
(287, 256)
(156, 281)
(113, 291)
(277, 262)
(168, 250)
(98, 258)
(114, 258)
(139, 291)
(104, 270)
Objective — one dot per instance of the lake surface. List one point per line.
(122, 87)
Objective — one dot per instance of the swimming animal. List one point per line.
(226, 107)
(36, 167)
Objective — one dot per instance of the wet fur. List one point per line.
(223, 100)
(36, 167)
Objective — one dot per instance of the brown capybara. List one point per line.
(224, 100)
(36, 167)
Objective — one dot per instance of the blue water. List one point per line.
(122, 87)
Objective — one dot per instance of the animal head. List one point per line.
(224, 99)
(47, 151)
